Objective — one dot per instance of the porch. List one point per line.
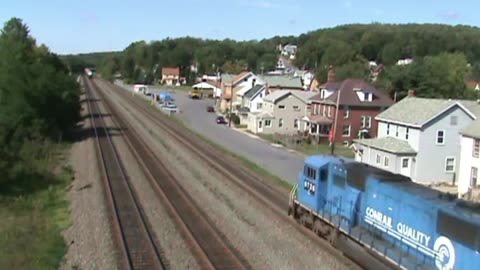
(317, 128)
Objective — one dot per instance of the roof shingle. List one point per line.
(388, 144)
(472, 130)
(417, 111)
(283, 81)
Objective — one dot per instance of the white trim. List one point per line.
(265, 122)
(436, 137)
(349, 131)
(454, 161)
(396, 122)
(385, 158)
(432, 118)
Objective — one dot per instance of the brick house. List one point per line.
(171, 75)
(358, 102)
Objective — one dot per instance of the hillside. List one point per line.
(440, 52)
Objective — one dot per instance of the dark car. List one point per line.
(221, 120)
(210, 109)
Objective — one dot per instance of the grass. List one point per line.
(311, 149)
(33, 218)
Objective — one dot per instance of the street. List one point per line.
(278, 161)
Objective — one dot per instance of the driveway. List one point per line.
(278, 161)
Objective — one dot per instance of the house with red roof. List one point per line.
(171, 75)
(358, 103)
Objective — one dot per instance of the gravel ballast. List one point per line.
(255, 232)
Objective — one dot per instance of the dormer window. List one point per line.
(322, 93)
(368, 96)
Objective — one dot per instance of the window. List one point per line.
(295, 123)
(259, 106)
(260, 124)
(268, 123)
(339, 181)
(281, 106)
(315, 109)
(295, 108)
(378, 159)
(406, 133)
(329, 111)
(476, 148)
(280, 122)
(385, 161)
(323, 174)
(322, 94)
(473, 176)
(310, 172)
(388, 128)
(453, 120)
(346, 131)
(369, 122)
(346, 113)
(324, 110)
(362, 121)
(396, 131)
(440, 136)
(450, 164)
(405, 162)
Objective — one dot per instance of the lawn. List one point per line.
(34, 212)
(312, 149)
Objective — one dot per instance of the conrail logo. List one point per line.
(445, 253)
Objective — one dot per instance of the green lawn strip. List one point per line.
(311, 149)
(33, 221)
(248, 163)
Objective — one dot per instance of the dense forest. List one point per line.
(39, 109)
(445, 57)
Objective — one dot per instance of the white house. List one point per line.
(217, 92)
(419, 138)
(469, 159)
(252, 102)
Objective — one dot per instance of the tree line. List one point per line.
(39, 101)
(445, 57)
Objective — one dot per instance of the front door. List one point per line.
(405, 166)
(260, 126)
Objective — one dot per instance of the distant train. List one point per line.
(410, 225)
(89, 72)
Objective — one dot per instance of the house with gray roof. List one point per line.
(468, 183)
(252, 102)
(281, 112)
(282, 82)
(419, 138)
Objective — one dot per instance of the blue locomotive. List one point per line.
(410, 225)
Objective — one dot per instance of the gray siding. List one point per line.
(431, 157)
(394, 161)
(288, 114)
(413, 133)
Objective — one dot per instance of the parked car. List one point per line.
(221, 120)
(210, 109)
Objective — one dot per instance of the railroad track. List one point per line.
(271, 196)
(131, 232)
(210, 247)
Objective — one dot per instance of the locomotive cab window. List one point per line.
(323, 174)
(458, 230)
(310, 172)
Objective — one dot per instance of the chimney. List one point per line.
(253, 82)
(331, 74)
(411, 93)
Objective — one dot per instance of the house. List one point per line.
(419, 138)
(469, 164)
(289, 50)
(474, 85)
(282, 82)
(358, 104)
(171, 75)
(252, 102)
(281, 112)
(306, 78)
(240, 82)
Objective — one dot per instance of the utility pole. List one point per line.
(230, 110)
(335, 123)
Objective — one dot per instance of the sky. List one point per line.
(94, 26)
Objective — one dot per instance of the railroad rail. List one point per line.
(271, 196)
(133, 237)
(211, 248)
